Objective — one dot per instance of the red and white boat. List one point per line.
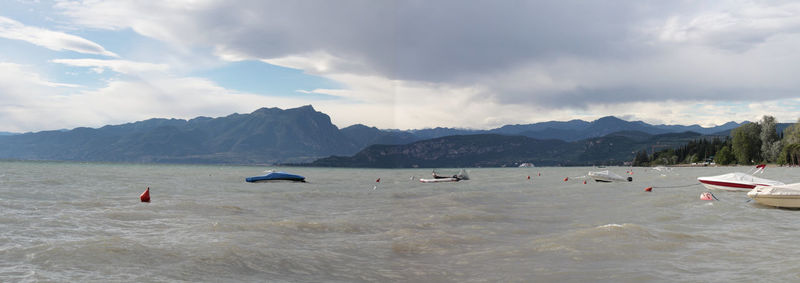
(737, 181)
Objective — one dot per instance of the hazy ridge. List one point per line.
(303, 135)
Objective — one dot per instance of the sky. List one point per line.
(398, 64)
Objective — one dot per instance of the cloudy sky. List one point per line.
(398, 64)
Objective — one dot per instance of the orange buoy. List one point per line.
(145, 197)
(648, 189)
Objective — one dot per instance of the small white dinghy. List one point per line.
(606, 176)
(779, 196)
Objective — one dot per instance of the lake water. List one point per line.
(84, 222)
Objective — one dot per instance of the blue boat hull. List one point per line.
(276, 176)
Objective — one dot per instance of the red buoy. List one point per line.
(584, 182)
(145, 197)
(378, 180)
(648, 189)
(566, 179)
(529, 177)
(706, 196)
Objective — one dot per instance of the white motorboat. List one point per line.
(438, 178)
(779, 196)
(607, 176)
(736, 181)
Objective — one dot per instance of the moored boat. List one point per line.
(787, 196)
(736, 181)
(438, 178)
(607, 176)
(276, 176)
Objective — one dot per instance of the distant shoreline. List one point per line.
(717, 165)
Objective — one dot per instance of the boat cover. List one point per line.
(607, 176)
(786, 196)
(740, 178)
(779, 190)
(276, 176)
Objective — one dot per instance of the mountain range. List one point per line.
(573, 130)
(494, 150)
(303, 135)
(268, 135)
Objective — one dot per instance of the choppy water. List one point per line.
(84, 222)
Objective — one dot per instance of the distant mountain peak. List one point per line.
(609, 119)
(304, 108)
(272, 110)
(734, 124)
(266, 110)
(359, 126)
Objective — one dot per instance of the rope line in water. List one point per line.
(578, 177)
(672, 187)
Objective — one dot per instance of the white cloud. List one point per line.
(27, 97)
(126, 101)
(736, 26)
(30, 103)
(119, 66)
(412, 64)
(24, 97)
(53, 40)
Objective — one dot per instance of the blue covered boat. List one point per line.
(276, 176)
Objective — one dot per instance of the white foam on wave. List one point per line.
(612, 225)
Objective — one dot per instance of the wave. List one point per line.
(298, 226)
(615, 241)
(415, 242)
(475, 217)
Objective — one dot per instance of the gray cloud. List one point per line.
(619, 51)
(423, 40)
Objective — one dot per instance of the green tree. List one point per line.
(641, 159)
(790, 154)
(770, 144)
(693, 158)
(790, 145)
(664, 157)
(724, 156)
(746, 143)
(792, 134)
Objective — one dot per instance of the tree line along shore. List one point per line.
(747, 144)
